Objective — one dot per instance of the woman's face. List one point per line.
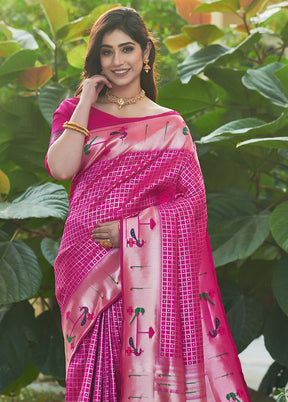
(122, 59)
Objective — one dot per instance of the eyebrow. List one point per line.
(121, 44)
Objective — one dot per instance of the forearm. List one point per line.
(65, 155)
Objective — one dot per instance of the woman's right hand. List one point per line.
(92, 87)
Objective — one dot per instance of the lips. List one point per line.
(121, 72)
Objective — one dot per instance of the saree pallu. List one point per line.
(156, 299)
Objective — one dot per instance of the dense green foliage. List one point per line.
(233, 95)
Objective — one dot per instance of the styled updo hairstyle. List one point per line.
(129, 21)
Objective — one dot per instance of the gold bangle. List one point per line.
(77, 127)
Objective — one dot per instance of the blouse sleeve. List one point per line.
(62, 114)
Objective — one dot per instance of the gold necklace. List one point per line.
(124, 101)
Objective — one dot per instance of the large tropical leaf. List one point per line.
(267, 84)
(280, 284)
(17, 332)
(37, 202)
(7, 48)
(25, 39)
(275, 377)
(282, 73)
(204, 34)
(230, 80)
(216, 55)
(35, 77)
(221, 6)
(276, 335)
(48, 352)
(198, 61)
(4, 183)
(49, 99)
(26, 378)
(240, 130)
(50, 248)
(244, 314)
(20, 273)
(278, 228)
(76, 57)
(236, 229)
(275, 142)
(56, 14)
(187, 11)
(178, 42)
(188, 99)
(15, 64)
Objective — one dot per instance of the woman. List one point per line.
(141, 312)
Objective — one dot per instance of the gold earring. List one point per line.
(146, 67)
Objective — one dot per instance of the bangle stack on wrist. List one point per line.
(76, 127)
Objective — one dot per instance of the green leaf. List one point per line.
(17, 332)
(4, 183)
(256, 276)
(77, 29)
(221, 6)
(188, 99)
(55, 13)
(215, 55)
(267, 84)
(236, 230)
(198, 61)
(29, 375)
(15, 64)
(24, 38)
(276, 335)
(19, 270)
(204, 34)
(76, 56)
(275, 377)
(50, 97)
(275, 142)
(177, 42)
(7, 48)
(244, 315)
(38, 202)
(278, 229)
(230, 80)
(224, 172)
(281, 74)
(240, 130)
(48, 352)
(280, 284)
(74, 30)
(233, 129)
(46, 39)
(50, 248)
(255, 7)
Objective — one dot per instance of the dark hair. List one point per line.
(129, 21)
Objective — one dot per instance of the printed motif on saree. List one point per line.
(176, 343)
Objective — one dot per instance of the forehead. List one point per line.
(116, 38)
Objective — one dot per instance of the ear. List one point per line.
(146, 52)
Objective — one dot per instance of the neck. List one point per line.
(123, 92)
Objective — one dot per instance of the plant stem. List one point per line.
(15, 234)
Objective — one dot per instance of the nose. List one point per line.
(118, 60)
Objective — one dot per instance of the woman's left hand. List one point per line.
(108, 231)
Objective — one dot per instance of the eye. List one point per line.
(128, 49)
(105, 52)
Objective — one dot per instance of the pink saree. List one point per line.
(145, 322)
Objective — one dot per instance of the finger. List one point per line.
(100, 235)
(101, 79)
(109, 223)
